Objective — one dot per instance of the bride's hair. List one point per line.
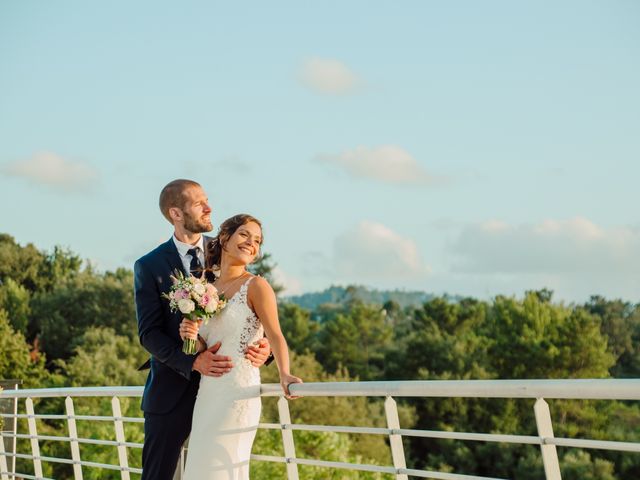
(227, 229)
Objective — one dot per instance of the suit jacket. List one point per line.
(171, 374)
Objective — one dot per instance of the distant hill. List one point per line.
(338, 295)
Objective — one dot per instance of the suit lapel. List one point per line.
(172, 257)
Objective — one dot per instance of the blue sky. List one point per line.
(475, 148)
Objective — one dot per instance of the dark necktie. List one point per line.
(195, 266)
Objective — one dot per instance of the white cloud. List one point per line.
(291, 284)
(326, 75)
(551, 247)
(372, 251)
(52, 170)
(387, 163)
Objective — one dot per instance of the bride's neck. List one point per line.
(228, 271)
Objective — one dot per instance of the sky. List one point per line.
(471, 148)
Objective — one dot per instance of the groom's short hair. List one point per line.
(172, 195)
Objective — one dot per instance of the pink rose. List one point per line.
(204, 301)
(181, 294)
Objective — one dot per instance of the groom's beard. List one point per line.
(197, 225)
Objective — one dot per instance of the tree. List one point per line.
(80, 302)
(21, 264)
(536, 339)
(298, 328)
(620, 323)
(103, 358)
(357, 339)
(15, 358)
(14, 299)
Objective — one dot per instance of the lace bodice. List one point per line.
(236, 327)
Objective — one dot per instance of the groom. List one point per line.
(171, 387)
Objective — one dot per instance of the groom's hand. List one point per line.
(211, 364)
(258, 353)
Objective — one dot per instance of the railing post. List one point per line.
(33, 432)
(120, 438)
(3, 460)
(287, 438)
(15, 428)
(179, 473)
(395, 440)
(73, 435)
(545, 430)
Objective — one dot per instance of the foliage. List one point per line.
(85, 322)
(14, 298)
(356, 339)
(79, 302)
(16, 361)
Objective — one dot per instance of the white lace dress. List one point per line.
(227, 409)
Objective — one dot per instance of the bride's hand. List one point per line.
(189, 328)
(285, 381)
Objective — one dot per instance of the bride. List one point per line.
(227, 409)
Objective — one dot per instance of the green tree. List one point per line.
(357, 339)
(103, 358)
(620, 323)
(21, 264)
(14, 299)
(15, 358)
(533, 338)
(298, 328)
(80, 302)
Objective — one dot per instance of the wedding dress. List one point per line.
(227, 409)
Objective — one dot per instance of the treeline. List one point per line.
(64, 324)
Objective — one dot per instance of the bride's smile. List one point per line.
(244, 244)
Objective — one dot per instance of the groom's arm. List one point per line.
(150, 316)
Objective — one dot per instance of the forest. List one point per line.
(64, 323)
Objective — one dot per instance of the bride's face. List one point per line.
(244, 245)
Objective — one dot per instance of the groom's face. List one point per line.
(197, 212)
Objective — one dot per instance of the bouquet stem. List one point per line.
(190, 346)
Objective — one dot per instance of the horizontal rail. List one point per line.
(22, 476)
(478, 437)
(74, 392)
(92, 441)
(594, 444)
(576, 389)
(370, 468)
(66, 461)
(97, 418)
(482, 437)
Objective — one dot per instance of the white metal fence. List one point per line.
(608, 389)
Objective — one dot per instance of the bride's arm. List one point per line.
(262, 300)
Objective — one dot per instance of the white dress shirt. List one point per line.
(183, 248)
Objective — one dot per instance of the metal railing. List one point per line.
(539, 390)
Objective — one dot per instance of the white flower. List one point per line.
(186, 306)
(211, 306)
(199, 288)
(211, 290)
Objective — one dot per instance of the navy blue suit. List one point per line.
(171, 387)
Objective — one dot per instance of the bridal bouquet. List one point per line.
(197, 300)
